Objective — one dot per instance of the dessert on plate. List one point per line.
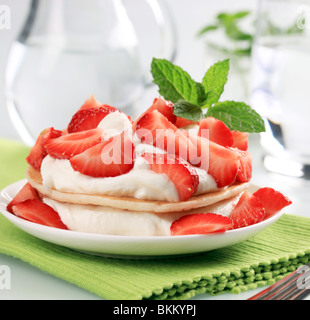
(158, 175)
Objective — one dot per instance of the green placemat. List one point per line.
(262, 260)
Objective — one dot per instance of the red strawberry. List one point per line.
(89, 118)
(27, 192)
(162, 106)
(200, 223)
(240, 140)
(245, 166)
(220, 162)
(91, 102)
(249, 210)
(154, 128)
(182, 122)
(273, 201)
(217, 131)
(38, 151)
(178, 170)
(38, 212)
(72, 144)
(107, 159)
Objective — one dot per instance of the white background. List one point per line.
(189, 16)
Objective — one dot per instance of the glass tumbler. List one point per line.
(280, 89)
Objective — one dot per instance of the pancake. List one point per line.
(131, 204)
(111, 221)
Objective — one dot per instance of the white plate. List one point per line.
(129, 246)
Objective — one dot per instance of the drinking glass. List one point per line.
(70, 49)
(280, 89)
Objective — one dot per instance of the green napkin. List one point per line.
(260, 261)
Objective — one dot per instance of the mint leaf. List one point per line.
(174, 83)
(207, 29)
(233, 32)
(237, 116)
(214, 81)
(240, 14)
(201, 95)
(187, 110)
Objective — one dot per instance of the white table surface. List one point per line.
(28, 282)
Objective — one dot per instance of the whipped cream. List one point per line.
(111, 221)
(114, 124)
(140, 183)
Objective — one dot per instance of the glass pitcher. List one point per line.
(70, 49)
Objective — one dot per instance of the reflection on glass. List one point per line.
(69, 49)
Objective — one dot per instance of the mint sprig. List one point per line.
(239, 42)
(196, 100)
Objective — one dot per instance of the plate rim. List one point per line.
(115, 239)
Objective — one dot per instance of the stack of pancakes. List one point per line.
(104, 214)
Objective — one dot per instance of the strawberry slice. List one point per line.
(38, 151)
(249, 210)
(273, 201)
(183, 175)
(223, 164)
(162, 106)
(109, 158)
(245, 166)
(182, 122)
(155, 129)
(240, 140)
(220, 162)
(38, 212)
(27, 192)
(71, 144)
(217, 131)
(200, 223)
(91, 102)
(89, 118)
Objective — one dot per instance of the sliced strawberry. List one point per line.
(217, 131)
(240, 140)
(107, 159)
(89, 118)
(27, 192)
(72, 144)
(38, 151)
(182, 122)
(273, 201)
(183, 175)
(220, 162)
(91, 102)
(38, 212)
(200, 223)
(249, 210)
(223, 164)
(245, 166)
(154, 128)
(162, 106)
